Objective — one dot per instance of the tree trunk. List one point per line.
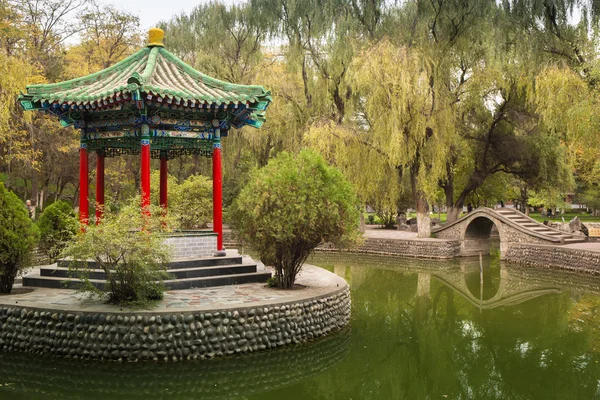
(423, 220)
(524, 200)
(7, 280)
(35, 188)
(41, 201)
(453, 213)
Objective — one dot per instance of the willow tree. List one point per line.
(318, 39)
(380, 183)
(237, 54)
(567, 105)
(408, 116)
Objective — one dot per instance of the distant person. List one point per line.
(549, 213)
(501, 204)
(30, 209)
(469, 207)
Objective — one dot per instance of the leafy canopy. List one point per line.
(291, 206)
(57, 225)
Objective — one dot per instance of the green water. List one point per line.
(420, 330)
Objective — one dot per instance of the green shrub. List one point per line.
(18, 236)
(57, 225)
(291, 206)
(190, 202)
(133, 259)
(272, 282)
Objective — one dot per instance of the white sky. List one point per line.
(153, 11)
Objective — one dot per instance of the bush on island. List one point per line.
(18, 237)
(58, 225)
(291, 206)
(190, 201)
(129, 247)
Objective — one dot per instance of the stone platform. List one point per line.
(187, 324)
(185, 273)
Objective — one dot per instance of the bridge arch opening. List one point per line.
(482, 236)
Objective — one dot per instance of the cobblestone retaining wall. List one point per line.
(405, 248)
(555, 257)
(171, 336)
(190, 245)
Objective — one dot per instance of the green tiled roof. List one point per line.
(152, 73)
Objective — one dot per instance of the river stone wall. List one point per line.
(171, 336)
(416, 248)
(189, 245)
(428, 248)
(548, 256)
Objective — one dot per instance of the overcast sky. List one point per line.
(153, 11)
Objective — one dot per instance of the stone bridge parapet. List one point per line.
(475, 229)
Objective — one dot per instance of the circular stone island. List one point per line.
(186, 325)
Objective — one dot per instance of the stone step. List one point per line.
(237, 279)
(574, 240)
(181, 273)
(36, 280)
(545, 230)
(175, 264)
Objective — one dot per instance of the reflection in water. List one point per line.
(26, 376)
(482, 276)
(420, 330)
(425, 329)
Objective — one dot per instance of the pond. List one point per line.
(462, 329)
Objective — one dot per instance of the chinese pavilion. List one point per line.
(154, 105)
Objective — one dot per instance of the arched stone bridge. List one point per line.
(474, 231)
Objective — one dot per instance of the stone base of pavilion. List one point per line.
(187, 324)
(193, 267)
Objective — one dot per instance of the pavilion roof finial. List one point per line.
(155, 37)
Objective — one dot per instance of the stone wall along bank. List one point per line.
(549, 256)
(428, 248)
(416, 248)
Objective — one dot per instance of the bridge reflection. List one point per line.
(484, 282)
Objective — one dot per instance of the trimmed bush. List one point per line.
(291, 206)
(18, 236)
(57, 225)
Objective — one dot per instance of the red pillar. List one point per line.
(217, 193)
(145, 170)
(83, 184)
(163, 182)
(99, 186)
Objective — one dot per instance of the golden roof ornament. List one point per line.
(155, 37)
